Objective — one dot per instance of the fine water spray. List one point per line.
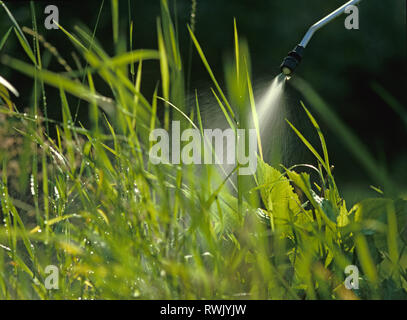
(291, 62)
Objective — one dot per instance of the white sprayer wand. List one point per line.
(291, 62)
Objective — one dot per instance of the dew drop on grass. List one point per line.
(32, 184)
(56, 193)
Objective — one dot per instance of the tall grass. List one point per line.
(117, 226)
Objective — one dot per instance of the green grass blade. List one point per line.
(208, 68)
(4, 38)
(365, 258)
(254, 112)
(309, 146)
(25, 46)
(115, 20)
(391, 101)
(20, 34)
(349, 139)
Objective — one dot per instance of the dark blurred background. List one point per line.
(340, 64)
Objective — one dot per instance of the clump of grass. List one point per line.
(118, 227)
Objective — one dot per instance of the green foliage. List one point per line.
(117, 226)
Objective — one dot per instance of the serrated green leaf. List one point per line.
(277, 194)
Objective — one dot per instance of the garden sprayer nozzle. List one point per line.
(291, 62)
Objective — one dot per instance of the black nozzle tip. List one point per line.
(289, 65)
(291, 62)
